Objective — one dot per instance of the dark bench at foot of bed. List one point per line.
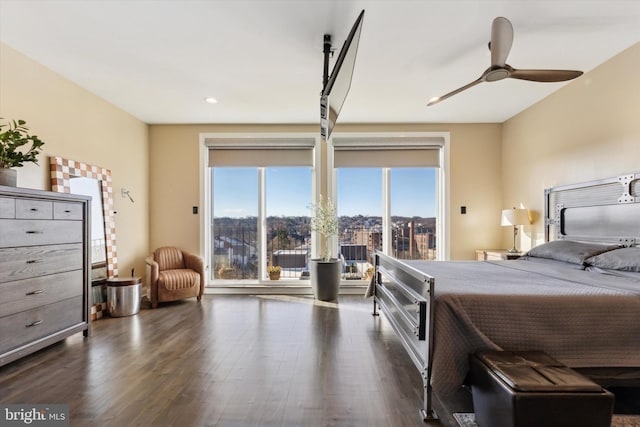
(531, 389)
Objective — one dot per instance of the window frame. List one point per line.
(206, 216)
(430, 140)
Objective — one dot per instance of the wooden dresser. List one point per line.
(44, 269)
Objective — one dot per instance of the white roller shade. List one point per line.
(260, 152)
(387, 152)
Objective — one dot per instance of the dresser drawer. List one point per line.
(34, 209)
(7, 207)
(26, 326)
(16, 232)
(62, 210)
(26, 294)
(32, 261)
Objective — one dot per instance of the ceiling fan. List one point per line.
(500, 45)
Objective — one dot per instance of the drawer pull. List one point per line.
(33, 261)
(34, 210)
(36, 323)
(34, 232)
(67, 211)
(36, 292)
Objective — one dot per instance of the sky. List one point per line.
(288, 191)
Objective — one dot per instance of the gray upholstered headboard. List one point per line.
(605, 211)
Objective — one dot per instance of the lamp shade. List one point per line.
(515, 217)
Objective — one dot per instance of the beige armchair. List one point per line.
(174, 274)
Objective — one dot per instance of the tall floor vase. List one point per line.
(325, 279)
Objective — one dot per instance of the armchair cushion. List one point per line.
(178, 279)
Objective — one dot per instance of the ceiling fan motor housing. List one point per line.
(493, 74)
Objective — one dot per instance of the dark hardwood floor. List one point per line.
(229, 361)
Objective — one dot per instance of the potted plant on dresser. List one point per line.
(325, 272)
(14, 137)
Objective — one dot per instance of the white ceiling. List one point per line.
(262, 60)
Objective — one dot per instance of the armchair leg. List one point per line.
(199, 297)
(154, 305)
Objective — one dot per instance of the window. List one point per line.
(410, 224)
(260, 191)
(360, 207)
(413, 212)
(288, 196)
(235, 223)
(397, 179)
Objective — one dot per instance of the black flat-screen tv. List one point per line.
(335, 90)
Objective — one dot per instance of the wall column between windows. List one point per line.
(325, 186)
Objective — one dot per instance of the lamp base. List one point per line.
(513, 250)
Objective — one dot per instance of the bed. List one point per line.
(576, 297)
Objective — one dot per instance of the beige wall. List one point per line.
(78, 125)
(590, 129)
(475, 178)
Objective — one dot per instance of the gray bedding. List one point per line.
(582, 318)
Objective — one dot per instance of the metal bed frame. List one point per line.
(405, 296)
(604, 211)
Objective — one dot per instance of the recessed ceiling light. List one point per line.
(211, 100)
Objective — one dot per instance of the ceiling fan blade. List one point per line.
(545, 75)
(501, 41)
(437, 99)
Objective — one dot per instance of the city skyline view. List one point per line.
(288, 191)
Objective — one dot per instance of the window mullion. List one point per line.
(387, 244)
(262, 224)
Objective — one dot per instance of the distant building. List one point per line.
(354, 252)
(411, 242)
(370, 238)
(232, 251)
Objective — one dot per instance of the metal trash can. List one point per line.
(123, 296)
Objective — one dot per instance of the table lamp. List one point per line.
(515, 217)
